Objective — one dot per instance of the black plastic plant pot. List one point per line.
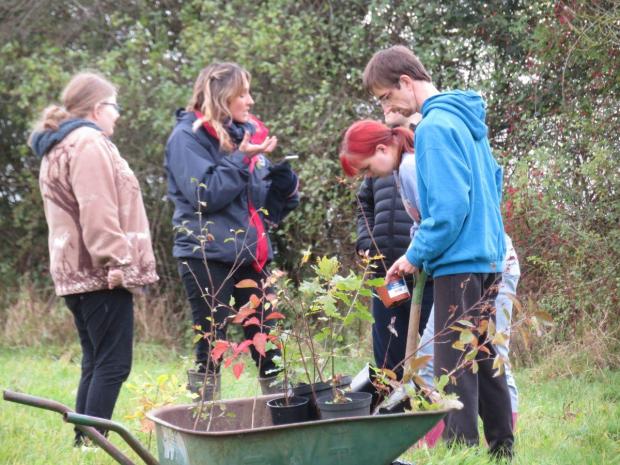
(205, 385)
(357, 405)
(305, 390)
(295, 412)
(345, 381)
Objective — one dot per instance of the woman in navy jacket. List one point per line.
(226, 193)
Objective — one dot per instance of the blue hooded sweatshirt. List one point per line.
(460, 189)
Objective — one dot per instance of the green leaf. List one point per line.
(467, 337)
(376, 282)
(326, 268)
(442, 382)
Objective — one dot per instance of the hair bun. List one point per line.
(53, 116)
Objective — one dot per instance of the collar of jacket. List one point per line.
(236, 131)
(44, 141)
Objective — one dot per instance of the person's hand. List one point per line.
(401, 267)
(115, 278)
(394, 119)
(251, 149)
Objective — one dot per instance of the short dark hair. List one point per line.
(387, 66)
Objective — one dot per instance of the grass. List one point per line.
(563, 420)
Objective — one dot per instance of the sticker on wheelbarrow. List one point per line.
(174, 447)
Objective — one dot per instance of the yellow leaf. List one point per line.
(458, 345)
(500, 339)
(306, 255)
(419, 362)
(389, 373)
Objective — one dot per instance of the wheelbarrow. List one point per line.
(240, 432)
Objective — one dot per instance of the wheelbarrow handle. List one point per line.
(101, 423)
(54, 406)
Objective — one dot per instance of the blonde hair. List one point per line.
(79, 98)
(215, 87)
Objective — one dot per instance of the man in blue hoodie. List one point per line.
(460, 240)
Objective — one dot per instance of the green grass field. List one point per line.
(563, 420)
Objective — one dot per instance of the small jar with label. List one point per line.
(394, 292)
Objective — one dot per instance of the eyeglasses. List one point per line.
(116, 106)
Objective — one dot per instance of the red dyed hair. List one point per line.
(360, 142)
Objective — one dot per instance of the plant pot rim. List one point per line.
(294, 401)
(356, 398)
(344, 381)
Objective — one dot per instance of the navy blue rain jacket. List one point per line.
(210, 190)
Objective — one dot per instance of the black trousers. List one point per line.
(389, 350)
(209, 290)
(471, 296)
(104, 320)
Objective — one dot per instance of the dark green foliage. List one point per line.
(549, 71)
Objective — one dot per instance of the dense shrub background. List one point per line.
(549, 71)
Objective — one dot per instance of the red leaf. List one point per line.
(254, 301)
(243, 313)
(219, 349)
(260, 339)
(243, 347)
(252, 321)
(275, 316)
(228, 362)
(246, 283)
(238, 369)
(274, 340)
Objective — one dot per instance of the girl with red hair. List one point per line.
(370, 147)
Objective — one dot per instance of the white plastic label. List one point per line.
(396, 288)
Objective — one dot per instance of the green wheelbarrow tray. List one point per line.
(226, 436)
(240, 432)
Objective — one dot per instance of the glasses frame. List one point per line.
(116, 106)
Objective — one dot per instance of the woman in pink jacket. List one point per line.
(99, 240)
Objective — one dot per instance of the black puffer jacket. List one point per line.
(390, 224)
